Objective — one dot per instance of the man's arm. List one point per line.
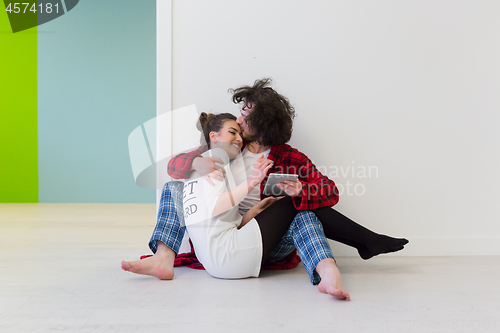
(317, 189)
(181, 166)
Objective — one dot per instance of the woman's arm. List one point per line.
(229, 199)
(255, 210)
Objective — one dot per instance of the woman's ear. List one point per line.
(213, 136)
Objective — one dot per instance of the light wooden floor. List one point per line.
(60, 271)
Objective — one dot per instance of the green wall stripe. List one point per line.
(18, 113)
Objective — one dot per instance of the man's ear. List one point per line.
(213, 136)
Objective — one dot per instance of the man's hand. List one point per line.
(293, 189)
(207, 168)
(218, 175)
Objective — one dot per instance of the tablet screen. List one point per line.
(273, 180)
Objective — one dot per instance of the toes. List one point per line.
(340, 294)
(125, 266)
(394, 249)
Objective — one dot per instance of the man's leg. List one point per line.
(283, 249)
(167, 236)
(314, 250)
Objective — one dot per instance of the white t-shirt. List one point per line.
(224, 250)
(248, 162)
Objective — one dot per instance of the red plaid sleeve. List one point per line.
(179, 167)
(317, 189)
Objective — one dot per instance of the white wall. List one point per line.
(409, 88)
(163, 86)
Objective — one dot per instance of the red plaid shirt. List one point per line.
(317, 190)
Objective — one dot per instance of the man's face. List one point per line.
(247, 133)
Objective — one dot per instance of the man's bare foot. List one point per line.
(160, 265)
(331, 281)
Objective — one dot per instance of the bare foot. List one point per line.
(160, 265)
(331, 281)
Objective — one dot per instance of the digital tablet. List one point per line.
(273, 180)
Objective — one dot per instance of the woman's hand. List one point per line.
(263, 204)
(260, 169)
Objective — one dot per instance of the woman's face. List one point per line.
(228, 138)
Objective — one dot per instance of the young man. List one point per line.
(266, 121)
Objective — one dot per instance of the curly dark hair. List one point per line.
(272, 115)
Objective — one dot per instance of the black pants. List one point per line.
(274, 222)
(276, 219)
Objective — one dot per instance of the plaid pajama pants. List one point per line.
(305, 233)
(170, 225)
